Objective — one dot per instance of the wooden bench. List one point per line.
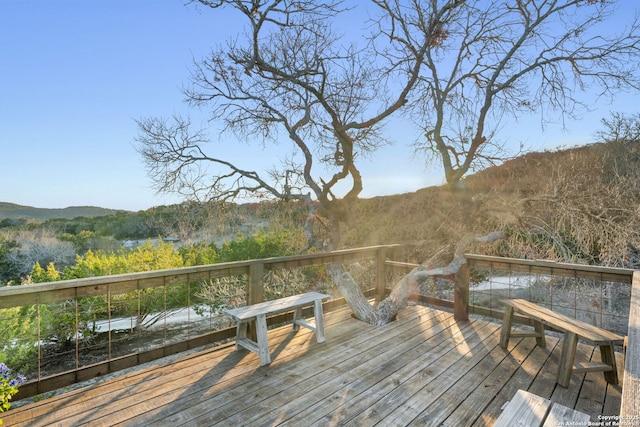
(572, 329)
(260, 311)
(530, 410)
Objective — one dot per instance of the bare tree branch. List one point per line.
(457, 67)
(490, 60)
(289, 77)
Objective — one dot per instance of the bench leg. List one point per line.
(541, 339)
(608, 356)
(263, 343)
(241, 332)
(565, 369)
(319, 315)
(297, 315)
(507, 322)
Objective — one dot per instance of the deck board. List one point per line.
(423, 369)
(523, 378)
(470, 377)
(427, 385)
(374, 403)
(359, 379)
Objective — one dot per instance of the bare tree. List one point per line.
(493, 61)
(620, 128)
(585, 203)
(38, 246)
(290, 77)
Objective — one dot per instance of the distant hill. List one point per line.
(13, 211)
(578, 204)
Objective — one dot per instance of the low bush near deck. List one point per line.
(9, 383)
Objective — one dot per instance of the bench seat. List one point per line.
(530, 410)
(259, 313)
(572, 329)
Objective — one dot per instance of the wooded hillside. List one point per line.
(14, 211)
(578, 205)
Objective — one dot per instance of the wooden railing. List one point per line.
(254, 270)
(16, 296)
(630, 407)
(542, 268)
(462, 304)
(74, 291)
(630, 410)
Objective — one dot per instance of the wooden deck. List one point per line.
(423, 369)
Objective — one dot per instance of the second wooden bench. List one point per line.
(572, 329)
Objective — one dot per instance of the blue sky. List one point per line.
(74, 76)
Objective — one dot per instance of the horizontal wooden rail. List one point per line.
(552, 268)
(44, 293)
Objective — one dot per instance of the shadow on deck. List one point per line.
(423, 369)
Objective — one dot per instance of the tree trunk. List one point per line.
(387, 310)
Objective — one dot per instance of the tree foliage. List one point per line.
(9, 272)
(162, 255)
(621, 128)
(147, 257)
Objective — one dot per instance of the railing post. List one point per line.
(255, 292)
(255, 287)
(381, 276)
(461, 293)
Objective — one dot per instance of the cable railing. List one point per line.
(596, 295)
(603, 296)
(69, 331)
(59, 333)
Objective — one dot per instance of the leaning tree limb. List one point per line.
(387, 309)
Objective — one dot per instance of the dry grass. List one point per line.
(578, 205)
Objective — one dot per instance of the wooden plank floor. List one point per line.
(423, 369)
